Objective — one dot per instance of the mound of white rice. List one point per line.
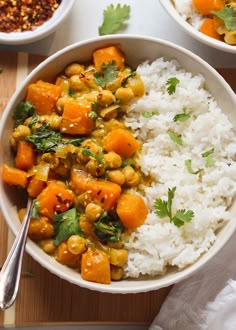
(187, 10)
(159, 243)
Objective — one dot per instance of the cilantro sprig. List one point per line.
(108, 73)
(22, 111)
(163, 208)
(228, 15)
(114, 19)
(172, 84)
(175, 138)
(181, 117)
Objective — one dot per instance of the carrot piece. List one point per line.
(120, 141)
(13, 176)
(104, 192)
(76, 119)
(40, 228)
(131, 210)
(208, 28)
(95, 267)
(106, 55)
(25, 155)
(43, 96)
(54, 198)
(205, 7)
(35, 186)
(65, 257)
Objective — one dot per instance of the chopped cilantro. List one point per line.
(107, 229)
(35, 209)
(65, 225)
(108, 74)
(188, 164)
(209, 159)
(163, 209)
(114, 18)
(208, 153)
(124, 81)
(86, 151)
(182, 116)
(147, 114)
(228, 15)
(93, 114)
(22, 111)
(171, 85)
(174, 137)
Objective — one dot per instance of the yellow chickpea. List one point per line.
(76, 83)
(60, 104)
(116, 176)
(93, 212)
(48, 246)
(124, 95)
(117, 273)
(131, 177)
(118, 257)
(105, 98)
(112, 160)
(137, 85)
(95, 168)
(19, 133)
(76, 244)
(73, 69)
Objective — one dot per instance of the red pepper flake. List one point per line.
(25, 15)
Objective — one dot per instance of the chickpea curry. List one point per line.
(79, 162)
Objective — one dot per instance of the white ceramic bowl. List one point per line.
(170, 9)
(42, 31)
(136, 49)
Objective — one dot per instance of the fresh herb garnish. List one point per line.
(75, 142)
(35, 209)
(188, 164)
(108, 230)
(181, 116)
(228, 15)
(87, 152)
(163, 209)
(209, 159)
(174, 137)
(114, 18)
(147, 114)
(22, 111)
(124, 81)
(208, 153)
(93, 114)
(171, 85)
(108, 73)
(65, 225)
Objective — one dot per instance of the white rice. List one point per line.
(158, 243)
(187, 10)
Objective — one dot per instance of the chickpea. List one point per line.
(118, 257)
(116, 245)
(131, 177)
(40, 228)
(137, 86)
(112, 160)
(76, 244)
(117, 273)
(60, 104)
(76, 83)
(19, 133)
(124, 95)
(73, 69)
(92, 146)
(105, 98)
(47, 245)
(115, 84)
(116, 176)
(95, 168)
(93, 211)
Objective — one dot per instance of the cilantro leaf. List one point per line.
(108, 74)
(22, 111)
(181, 116)
(228, 15)
(93, 114)
(86, 151)
(65, 225)
(188, 164)
(108, 230)
(208, 153)
(163, 209)
(174, 137)
(147, 114)
(114, 18)
(171, 85)
(210, 161)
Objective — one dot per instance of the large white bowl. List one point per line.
(42, 31)
(170, 9)
(136, 49)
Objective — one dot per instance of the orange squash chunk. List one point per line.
(43, 96)
(205, 7)
(25, 156)
(76, 119)
(65, 257)
(208, 28)
(95, 267)
(106, 55)
(14, 177)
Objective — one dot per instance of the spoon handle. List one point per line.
(11, 270)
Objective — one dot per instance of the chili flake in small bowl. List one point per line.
(26, 21)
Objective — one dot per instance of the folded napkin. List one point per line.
(204, 301)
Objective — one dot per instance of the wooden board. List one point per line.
(45, 299)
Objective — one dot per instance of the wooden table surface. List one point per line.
(45, 299)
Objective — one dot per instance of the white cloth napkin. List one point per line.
(206, 300)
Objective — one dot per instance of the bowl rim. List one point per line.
(42, 31)
(210, 42)
(47, 261)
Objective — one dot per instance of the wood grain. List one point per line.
(46, 299)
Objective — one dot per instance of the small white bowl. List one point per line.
(136, 49)
(170, 9)
(42, 31)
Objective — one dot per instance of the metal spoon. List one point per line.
(11, 270)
